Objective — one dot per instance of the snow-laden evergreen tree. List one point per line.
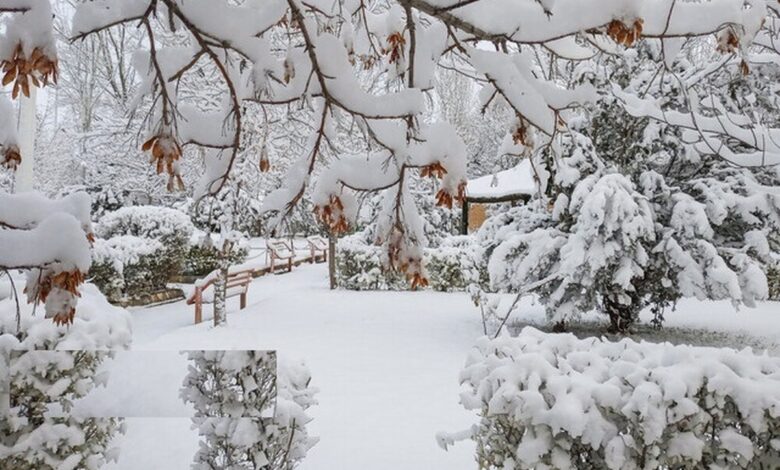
(249, 413)
(632, 215)
(38, 433)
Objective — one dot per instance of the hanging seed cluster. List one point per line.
(333, 216)
(435, 170)
(403, 262)
(624, 34)
(166, 153)
(265, 163)
(11, 158)
(24, 72)
(728, 41)
(395, 47)
(64, 282)
(445, 199)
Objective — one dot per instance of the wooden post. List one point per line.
(331, 257)
(464, 218)
(243, 300)
(198, 306)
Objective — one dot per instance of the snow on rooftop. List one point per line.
(514, 181)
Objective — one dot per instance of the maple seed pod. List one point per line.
(395, 47)
(11, 159)
(520, 133)
(165, 154)
(624, 34)
(36, 70)
(265, 164)
(332, 216)
(728, 41)
(444, 199)
(67, 281)
(435, 170)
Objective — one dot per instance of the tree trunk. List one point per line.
(621, 317)
(220, 285)
(220, 289)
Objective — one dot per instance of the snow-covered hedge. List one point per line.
(359, 266)
(154, 222)
(126, 266)
(554, 401)
(200, 260)
(140, 250)
(451, 266)
(47, 367)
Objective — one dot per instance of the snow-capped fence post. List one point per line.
(554, 400)
(332, 261)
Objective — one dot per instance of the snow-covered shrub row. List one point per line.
(201, 259)
(154, 222)
(249, 413)
(359, 266)
(451, 266)
(141, 249)
(558, 402)
(48, 366)
(126, 266)
(456, 263)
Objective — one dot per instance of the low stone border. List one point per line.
(162, 297)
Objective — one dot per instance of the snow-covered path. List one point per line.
(386, 364)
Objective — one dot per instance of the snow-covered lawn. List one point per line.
(386, 364)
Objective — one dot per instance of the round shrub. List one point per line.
(127, 266)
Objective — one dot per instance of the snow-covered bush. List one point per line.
(200, 259)
(127, 266)
(249, 413)
(360, 266)
(35, 437)
(48, 367)
(231, 384)
(451, 266)
(169, 226)
(288, 429)
(555, 401)
(456, 263)
(142, 248)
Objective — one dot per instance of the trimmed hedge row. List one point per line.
(452, 266)
(557, 402)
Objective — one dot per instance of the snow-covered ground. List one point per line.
(386, 364)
